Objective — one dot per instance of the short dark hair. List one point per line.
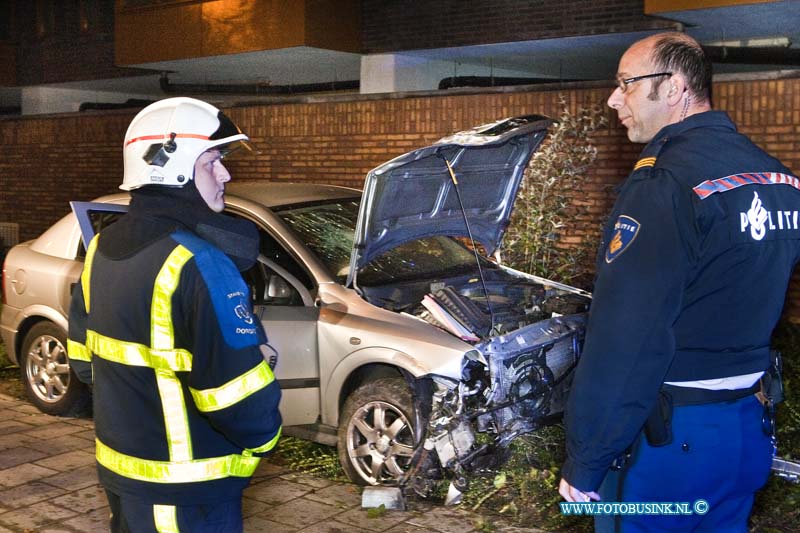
(677, 52)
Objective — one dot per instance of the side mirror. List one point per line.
(278, 288)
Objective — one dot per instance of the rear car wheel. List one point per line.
(376, 435)
(49, 382)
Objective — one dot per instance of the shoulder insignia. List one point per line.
(734, 181)
(625, 230)
(645, 162)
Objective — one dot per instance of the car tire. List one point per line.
(49, 382)
(376, 433)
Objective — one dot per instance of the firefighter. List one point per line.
(691, 280)
(161, 325)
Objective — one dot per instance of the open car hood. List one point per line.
(416, 195)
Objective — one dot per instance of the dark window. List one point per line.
(100, 220)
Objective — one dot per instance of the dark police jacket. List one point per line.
(161, 324)
(691, 279)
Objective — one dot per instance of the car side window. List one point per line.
(100, 220)
(277, 278)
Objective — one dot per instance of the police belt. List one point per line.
(695, 396)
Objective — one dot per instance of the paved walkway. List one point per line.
(48, 484)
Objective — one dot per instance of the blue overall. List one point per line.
(691, 279)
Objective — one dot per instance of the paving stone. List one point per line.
(16, 456)
(15, 439)
(268, 470)
(12, 426)
(446, 520)
(95, 521)
(39, 419)
(252, 507)
(26, 408)
(87, 423)
(7, 401)
(302, 512)
(345, 496)
(306, 479)
(405, 527)
(66, 443)
(28, 494)
(7, 414)
(67, 461)
(332, 527)
(17, 475)
(257, 524)
(86, 435)
(360, 518)
(276, 491)
(34, 517)
(79, 478)
(84, 500)
(54, 430)
(48, 484)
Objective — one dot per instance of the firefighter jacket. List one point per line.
(691, 280)
(161, 324)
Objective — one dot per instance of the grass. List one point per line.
(10, 383)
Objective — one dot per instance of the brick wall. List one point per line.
(420, 25)
(48, 161)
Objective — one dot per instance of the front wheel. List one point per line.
(49, 382)
(376, 435)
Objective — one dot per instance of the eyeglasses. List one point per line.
(623, 83)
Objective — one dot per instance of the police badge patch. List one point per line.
(625, 230)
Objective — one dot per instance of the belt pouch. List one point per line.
(658, 427)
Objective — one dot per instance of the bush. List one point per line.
(548, 204)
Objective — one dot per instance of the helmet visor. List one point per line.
(227, 129)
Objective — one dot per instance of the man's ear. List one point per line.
(676, 87)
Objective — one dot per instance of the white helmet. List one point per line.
(165, 139)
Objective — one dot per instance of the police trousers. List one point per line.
(131, 515)
(718, 458)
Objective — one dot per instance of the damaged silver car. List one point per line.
(400, 337)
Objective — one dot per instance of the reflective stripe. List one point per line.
(183, 472)
(166, 518)
(78, 352)
(161, 333)
(176, 420)
(162, 339)
(237, 389)
(135, 354)
(87, 271)
(266, 447)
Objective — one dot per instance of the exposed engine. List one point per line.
(515, 380)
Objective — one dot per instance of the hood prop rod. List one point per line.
(471, 238)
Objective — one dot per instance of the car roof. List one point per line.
(274, 194)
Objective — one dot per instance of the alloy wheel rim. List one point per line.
(380, 442)
(47, 369)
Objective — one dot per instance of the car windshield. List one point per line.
(327, 229)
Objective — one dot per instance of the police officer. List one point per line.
(691, 279)
(161, 325)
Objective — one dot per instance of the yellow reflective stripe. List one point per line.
(645, 162)
(87, 271)
(161, 333)
(135, 354)
(266, 447)
(166, 518)
(235, 390)
(169, 472)
(176, 420)
(78, 352)
(162, 339)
